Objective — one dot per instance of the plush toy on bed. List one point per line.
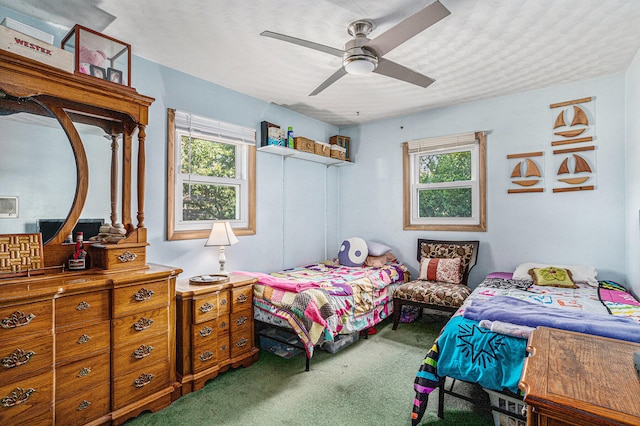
(90, 57)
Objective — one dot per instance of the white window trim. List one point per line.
(473, 142)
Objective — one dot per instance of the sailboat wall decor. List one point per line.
(573, 121)
(526, 175)
(575, 169)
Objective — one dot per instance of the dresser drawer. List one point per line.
(81, 408)
(204, 332)
(82, 342)
(241, 298)
(72, 310)
(25, 358)
(204, 355)
(136, 328)
(241, 321)
(20, 320)
(223, 347)
(26, 399)
(151, 350)
(83, 374)
(139, 384)
(210, 306)
(141, 297)
(223, 324)
(240, 343)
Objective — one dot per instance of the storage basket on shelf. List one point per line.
(322, 148)
(303, 144)
(338, 152)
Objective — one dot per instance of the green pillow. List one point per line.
(552, 276)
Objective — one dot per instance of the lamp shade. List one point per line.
(221, 235)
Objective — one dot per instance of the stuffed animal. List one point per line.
(91, 57)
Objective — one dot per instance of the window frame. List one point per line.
(245, 202)
(411, 188)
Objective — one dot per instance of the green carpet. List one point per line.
(367, 383)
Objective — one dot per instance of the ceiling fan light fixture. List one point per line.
(360, 63)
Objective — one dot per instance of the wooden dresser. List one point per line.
(113, 339)
(579, 379)
(214, 329)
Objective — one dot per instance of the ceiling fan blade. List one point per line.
(410, 27)
(397, 71)
(304, 43)
(328, 82)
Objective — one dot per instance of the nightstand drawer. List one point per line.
(210, 306)
(128, 300)
(25, 358)
(241, 321)
(21, 320)
(151, 350)
(136, 328)
(71, 310)
(140, 383)
(86, 373)
(224, 324)
(26, 398)
(204, 332)
(240, 343)
(204, 355)
(89, 404)
(82, 342)
(242, 298)
(223, 347)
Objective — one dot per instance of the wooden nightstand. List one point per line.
(579, 379)
(214, 329)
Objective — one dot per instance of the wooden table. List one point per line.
(579, 379)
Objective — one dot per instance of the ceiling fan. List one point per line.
(362, 55)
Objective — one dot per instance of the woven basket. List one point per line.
(304, 144)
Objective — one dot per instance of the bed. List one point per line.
(485, 340)
(322, 301)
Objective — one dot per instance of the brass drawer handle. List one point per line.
(16, 319)
(223, 347)
(206, 356)
(143, 380)
(83, 339)
(142, 295)
(242, 343)
(142, 324)
(223, 302)
(16, 397)
(207, 307)
(17, 358)
(127, 256)
(241, 320)
(84, 404)
(242, 298)
(142, 352)
(206, 331)
(83, 306)
(84, 372)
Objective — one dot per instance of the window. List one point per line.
(211, 176)
(444, 183)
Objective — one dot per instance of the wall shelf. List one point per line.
(302, 155)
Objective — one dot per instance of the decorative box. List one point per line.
(338, 152)
(304, 144)
(322, 148)
(99, 55)
(20, 254)
(26, 29)
(343, 141)
(21, 44)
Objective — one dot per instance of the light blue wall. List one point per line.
(633, 174)
(584, 227)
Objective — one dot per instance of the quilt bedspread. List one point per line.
(356, 298)
(467, 351)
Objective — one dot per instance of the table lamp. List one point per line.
(221, 235)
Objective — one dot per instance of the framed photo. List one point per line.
(98, 72)
(114, 75)
(8, 207)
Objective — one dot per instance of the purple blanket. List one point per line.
(516, 311)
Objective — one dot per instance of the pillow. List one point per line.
(552, 276)
(353, 252)
(377, 249)
(380, 261)
(579, 273)
(445, 270)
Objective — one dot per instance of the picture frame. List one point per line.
(98, 72)
(9, 207)
(114, 75)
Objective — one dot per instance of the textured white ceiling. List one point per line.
(485, 48)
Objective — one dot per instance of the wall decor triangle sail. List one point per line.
(573, 121)
(526, 172)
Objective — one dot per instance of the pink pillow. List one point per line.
(445, 270)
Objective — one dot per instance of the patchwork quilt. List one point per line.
(345, 300)
(467, 351)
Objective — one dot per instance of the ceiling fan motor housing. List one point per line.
(357, 58)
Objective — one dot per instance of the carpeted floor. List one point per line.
(367, 383)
